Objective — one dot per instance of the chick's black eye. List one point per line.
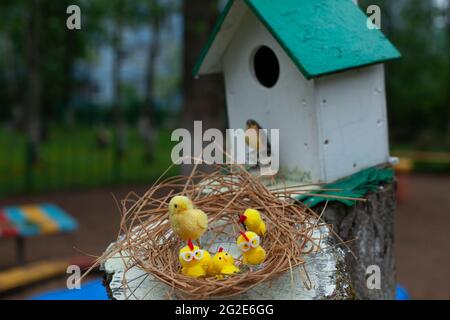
(226, 254)
(220, 258)
(176, 206)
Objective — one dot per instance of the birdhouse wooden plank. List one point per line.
(313, 70)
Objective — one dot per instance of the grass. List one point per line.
(72, 158)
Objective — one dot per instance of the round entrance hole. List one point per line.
(266, 67)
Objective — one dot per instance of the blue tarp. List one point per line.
(91, 290)
(94, 290)
(401, 293)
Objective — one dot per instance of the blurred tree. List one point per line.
(416, 84)
(63, 48)
(119, 19)
(447, 67)
(33, 49)
(60, 49)
(11, 64)
(204, 98)
(157, 14)
(117, 16)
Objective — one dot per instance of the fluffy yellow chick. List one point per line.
(252, 252)
(188, 223)
(194, 261)
(222, 264)
(253, 221)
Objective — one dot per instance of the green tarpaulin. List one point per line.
(354, 186)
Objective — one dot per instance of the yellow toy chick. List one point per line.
(249, 243)
(194, 261)
(222, 264)
(188, 223)
(253, 222)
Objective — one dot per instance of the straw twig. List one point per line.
(147, 241)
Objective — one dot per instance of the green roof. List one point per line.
(320, 36)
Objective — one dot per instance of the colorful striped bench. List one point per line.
(25, 221)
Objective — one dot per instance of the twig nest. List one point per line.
(223, 195)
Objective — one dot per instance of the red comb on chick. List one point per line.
(244, 235)
(242, 218)
(220, 249)
(191, 245)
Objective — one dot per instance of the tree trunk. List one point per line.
(147, 117)
(67, 85)
(33, 103)
(120, 126)
(370, 228)
(448, 74)
(12, 85)
(204, 98)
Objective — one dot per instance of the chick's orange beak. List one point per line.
(242, 218)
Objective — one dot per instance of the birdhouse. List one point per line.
(312, 69)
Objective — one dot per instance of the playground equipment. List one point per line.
(23, 222)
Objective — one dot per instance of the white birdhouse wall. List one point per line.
(330, 127)
(288, 105)
(352, 120)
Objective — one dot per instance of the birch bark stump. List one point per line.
(326, 271)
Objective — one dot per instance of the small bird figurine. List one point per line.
(253, 222)
(222, 264)
(249, 243)
(194, 261)
(187, 222)
(256, 138)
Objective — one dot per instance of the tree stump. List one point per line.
(371, 225)
(326, 271)
(335, 273)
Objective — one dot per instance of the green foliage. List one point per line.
(72, 156)
(60, 48)
(418, 84)
(77, 158)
